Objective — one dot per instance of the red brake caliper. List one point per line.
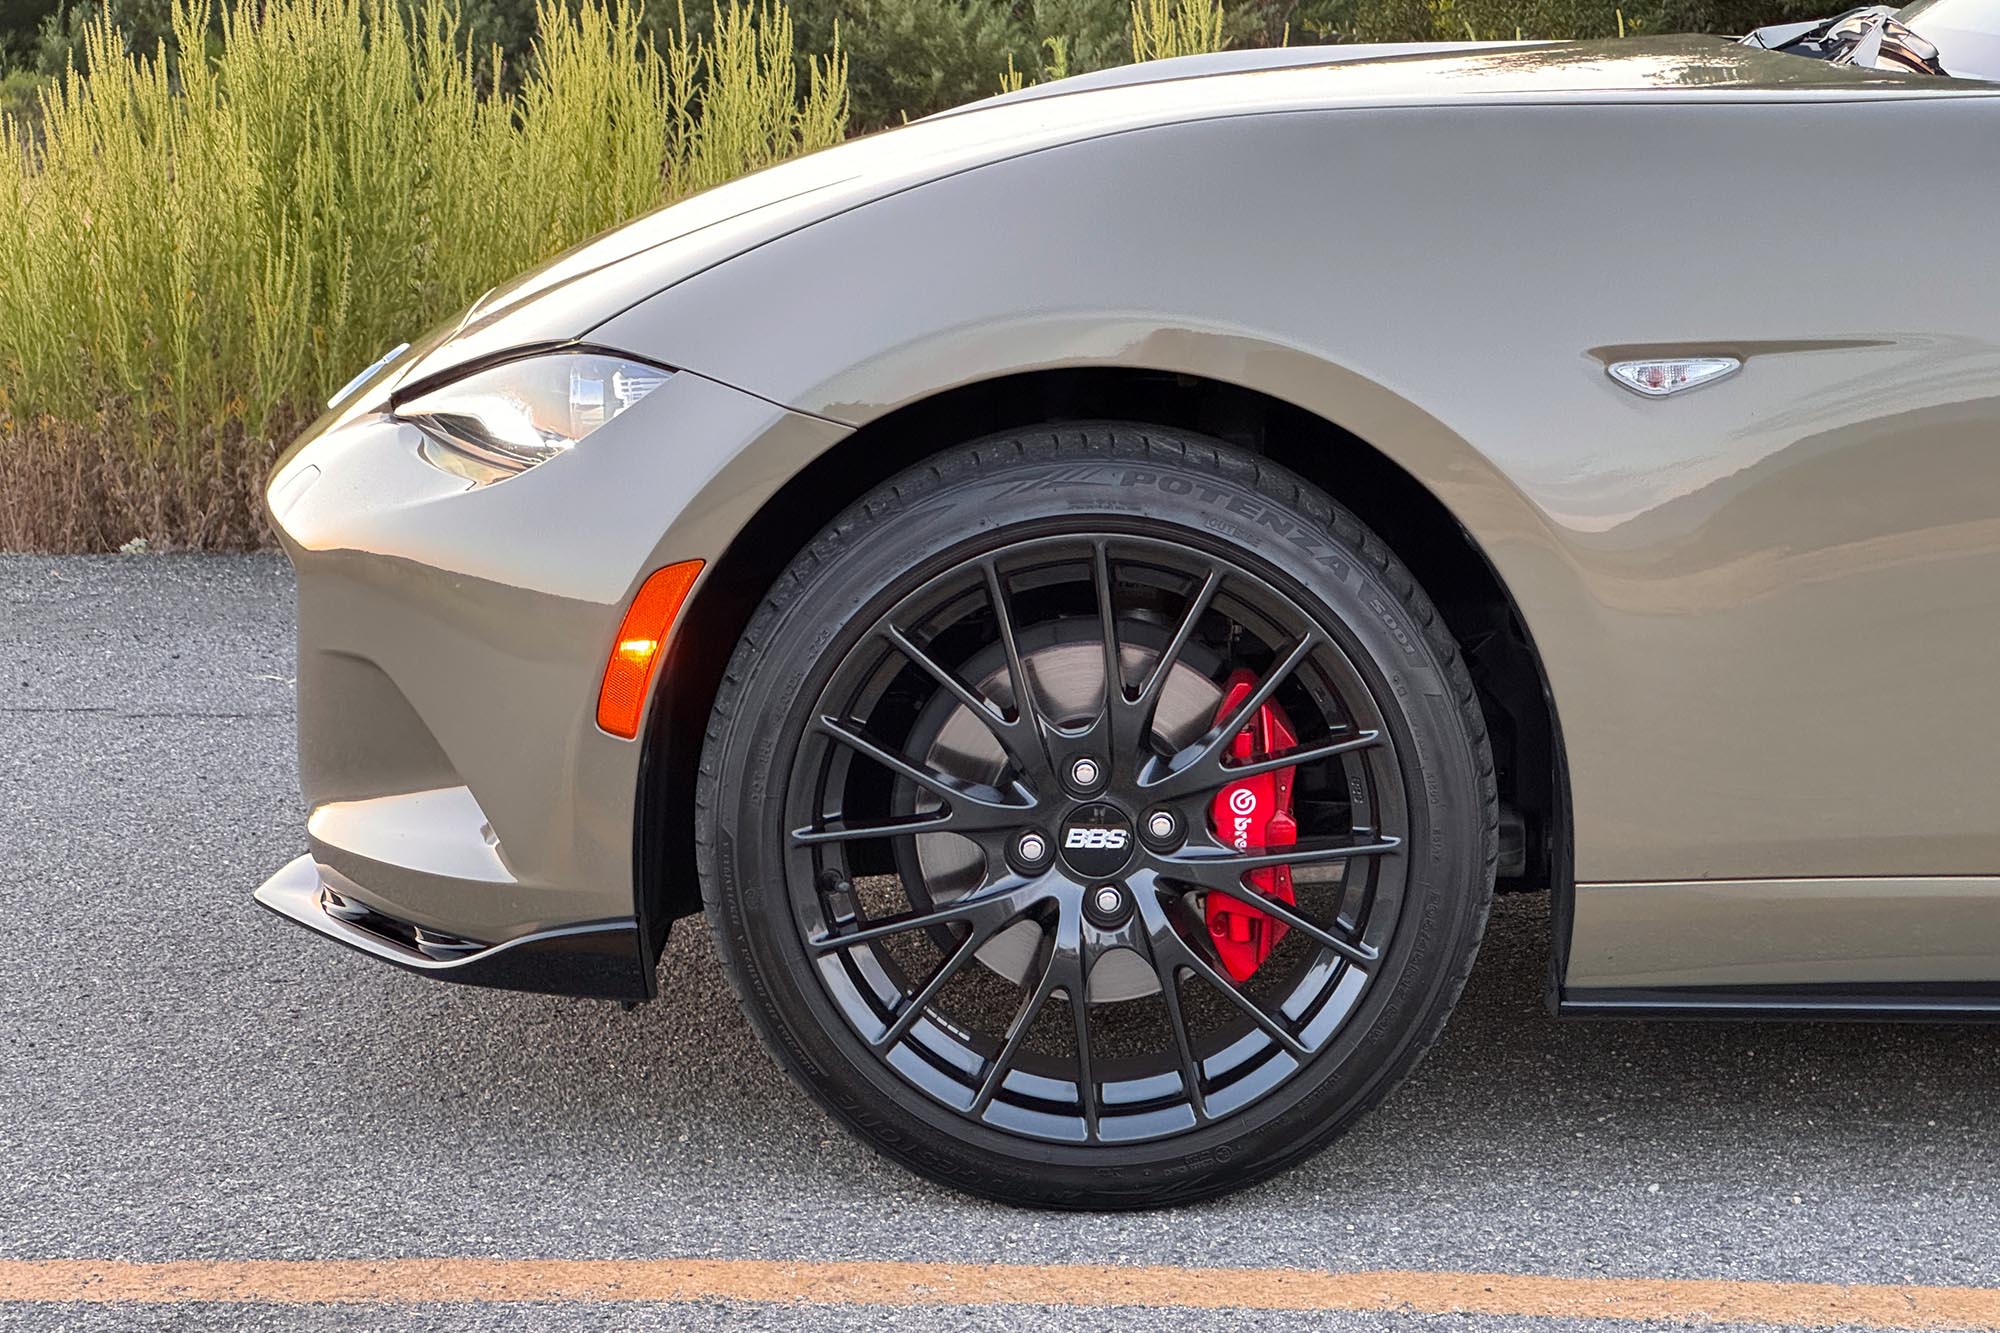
(1253, 814)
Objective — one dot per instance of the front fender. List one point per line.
(1448, 283)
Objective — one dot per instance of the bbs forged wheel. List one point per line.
(1097, 818)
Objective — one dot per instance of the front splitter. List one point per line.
(593, 959)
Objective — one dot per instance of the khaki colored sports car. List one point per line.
(1092, 592)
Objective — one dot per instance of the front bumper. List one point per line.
(468, 817)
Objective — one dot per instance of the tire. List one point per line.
(1088, 1036)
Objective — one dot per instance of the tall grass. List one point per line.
(192, 257)
(1162, 29)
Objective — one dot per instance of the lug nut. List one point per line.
(1031, 853)
(1163, 829)
(1085, 774)
(1107, 907)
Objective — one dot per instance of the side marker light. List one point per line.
(1657, 379)
(635, 653)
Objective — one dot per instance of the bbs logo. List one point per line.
(1082, 839)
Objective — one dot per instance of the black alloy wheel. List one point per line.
(1064, 831)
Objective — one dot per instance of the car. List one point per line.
(1092, 593)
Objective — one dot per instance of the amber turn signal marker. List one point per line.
(635, 654)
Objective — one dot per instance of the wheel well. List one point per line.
(1476, 606)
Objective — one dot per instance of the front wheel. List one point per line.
(1097, 817)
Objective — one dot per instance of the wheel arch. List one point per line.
(1447, 560)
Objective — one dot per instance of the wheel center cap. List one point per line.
(1096, 841)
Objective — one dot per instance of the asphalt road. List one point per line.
(183, 1076)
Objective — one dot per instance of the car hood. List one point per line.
(572, 294)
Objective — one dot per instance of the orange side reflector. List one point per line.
(635, 655)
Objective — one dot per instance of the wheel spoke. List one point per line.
(1006, 900)
(1199, 777)
(1017, 1029)
(1360, 740)
(1207, 752)
(936, 821)
(1297, 920)
(1204, 866)
(1272, 1028)
(914, 1007)
(1170, 992)
(1148, 697)
(1179, 941)
(949, 788)
(1005, 731)
(1017, 671)
(1107, 619)
(1086, 1084)
(1132, 715)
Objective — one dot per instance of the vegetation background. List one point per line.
(912, 57)
(211, 217)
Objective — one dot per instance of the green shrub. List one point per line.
(1085, 35)
(1505, 20)
(200, 259)
(924, 55)
(1093, 34)
(20, 95)
(58, 38)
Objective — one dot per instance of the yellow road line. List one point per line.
(414, 1281)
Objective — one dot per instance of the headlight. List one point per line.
(510, 417)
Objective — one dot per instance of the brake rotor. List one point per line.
(1065, 663)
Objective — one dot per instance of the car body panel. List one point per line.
(1765, 608)
(1714, 620)
(1724, 934)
